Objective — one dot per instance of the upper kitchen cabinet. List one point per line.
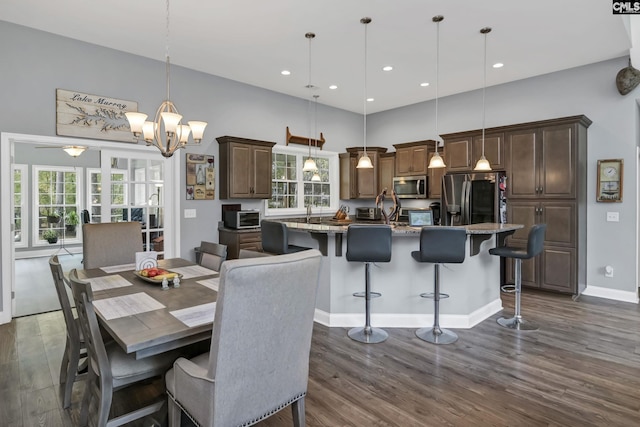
(386, 171)
(464, 149)
(245, 168)
(412, 157)
(359, 183)
(547, 159)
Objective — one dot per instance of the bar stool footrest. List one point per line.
(509, 289)
(364, 294)
(432, 295)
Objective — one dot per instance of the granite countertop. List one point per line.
(485, 228)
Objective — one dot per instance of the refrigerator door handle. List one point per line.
(464, 203)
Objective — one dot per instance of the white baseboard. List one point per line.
(401, 320)
(614, 294)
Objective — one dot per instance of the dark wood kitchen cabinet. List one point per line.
(245, 168)
(359, 183)
(412, 158)
(464, 149)
(240, 239)
(386, 171)
(547, 183)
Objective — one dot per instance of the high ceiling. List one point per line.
(251, 41)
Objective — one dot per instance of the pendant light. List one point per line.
(316, 173)
(309, 164)
(436, 160)
(365, 162)
(483, 163)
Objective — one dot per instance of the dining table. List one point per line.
(144, 317)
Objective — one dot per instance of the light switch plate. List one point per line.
(189, 213)
(613, 216)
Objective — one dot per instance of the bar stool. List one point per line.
(368, 243)
(439, 245)
(535, 243)
(275, 238)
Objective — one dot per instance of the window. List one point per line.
(292, 190)
(20, 198)
(56, 200)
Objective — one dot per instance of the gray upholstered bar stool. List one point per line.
(439, 245)
(368, 243)
(275, 238)
(535, 243)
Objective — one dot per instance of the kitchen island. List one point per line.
(473, 286)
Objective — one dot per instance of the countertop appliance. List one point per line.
(473, 198)
(368, 214)
(242, 219)
(411, 187)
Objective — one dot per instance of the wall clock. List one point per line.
(609, 188)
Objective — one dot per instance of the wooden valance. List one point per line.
(301, 140)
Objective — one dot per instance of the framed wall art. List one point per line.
(610, 177)
(201, 177)
(93, 116)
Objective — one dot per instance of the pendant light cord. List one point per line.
(437, 19)
(168, 66)
(309, 37)
(484, 31)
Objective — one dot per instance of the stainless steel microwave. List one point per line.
(411, 187)
(242, 219)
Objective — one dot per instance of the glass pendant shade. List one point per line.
(364, 162)
(309, 165)
(197, 129)
(482, 165)
(74, 150)
(136, 121)
(316, 177)
(436, 161)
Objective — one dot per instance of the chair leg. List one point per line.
(175, 413)
(90, 384)
(435, 334)
(73, 361)
(104, 405)
(297, 408)
(517, 322)
(367, 334)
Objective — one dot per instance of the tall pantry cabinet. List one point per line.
(547, 183)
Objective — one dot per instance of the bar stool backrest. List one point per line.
(275, 237)
(535, 240)
(442, 244)
(369, 243)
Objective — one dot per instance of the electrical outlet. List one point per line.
(189, 213)
(613, 216)
(608, 271)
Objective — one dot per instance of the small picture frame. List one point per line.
(610, 178)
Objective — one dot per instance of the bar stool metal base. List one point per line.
(517, 323)
(368, 335)
(437, 335)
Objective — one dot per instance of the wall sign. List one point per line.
(201, 177)
(93, 116)
(610, 176)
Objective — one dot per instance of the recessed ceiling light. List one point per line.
(370, 99)
(498, 65)
(387, 68)
(333, 87)
(285, 72)
(424, 84)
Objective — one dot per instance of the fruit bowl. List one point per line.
(156, 275)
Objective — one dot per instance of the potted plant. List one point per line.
(50, 235)
(71, 221)
(53, 217)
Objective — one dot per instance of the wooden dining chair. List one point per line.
(211, 255)
(258, 362)
(74, 349)
(109, 367)
(110, 243)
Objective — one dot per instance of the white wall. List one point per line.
(35, 63)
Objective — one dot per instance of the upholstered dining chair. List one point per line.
(74, 348)
(110, 243)
(259, 357)
(211, 255)
(109, 367)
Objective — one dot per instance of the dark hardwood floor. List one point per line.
(582, 368)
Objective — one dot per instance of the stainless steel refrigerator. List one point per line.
(473, 198)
